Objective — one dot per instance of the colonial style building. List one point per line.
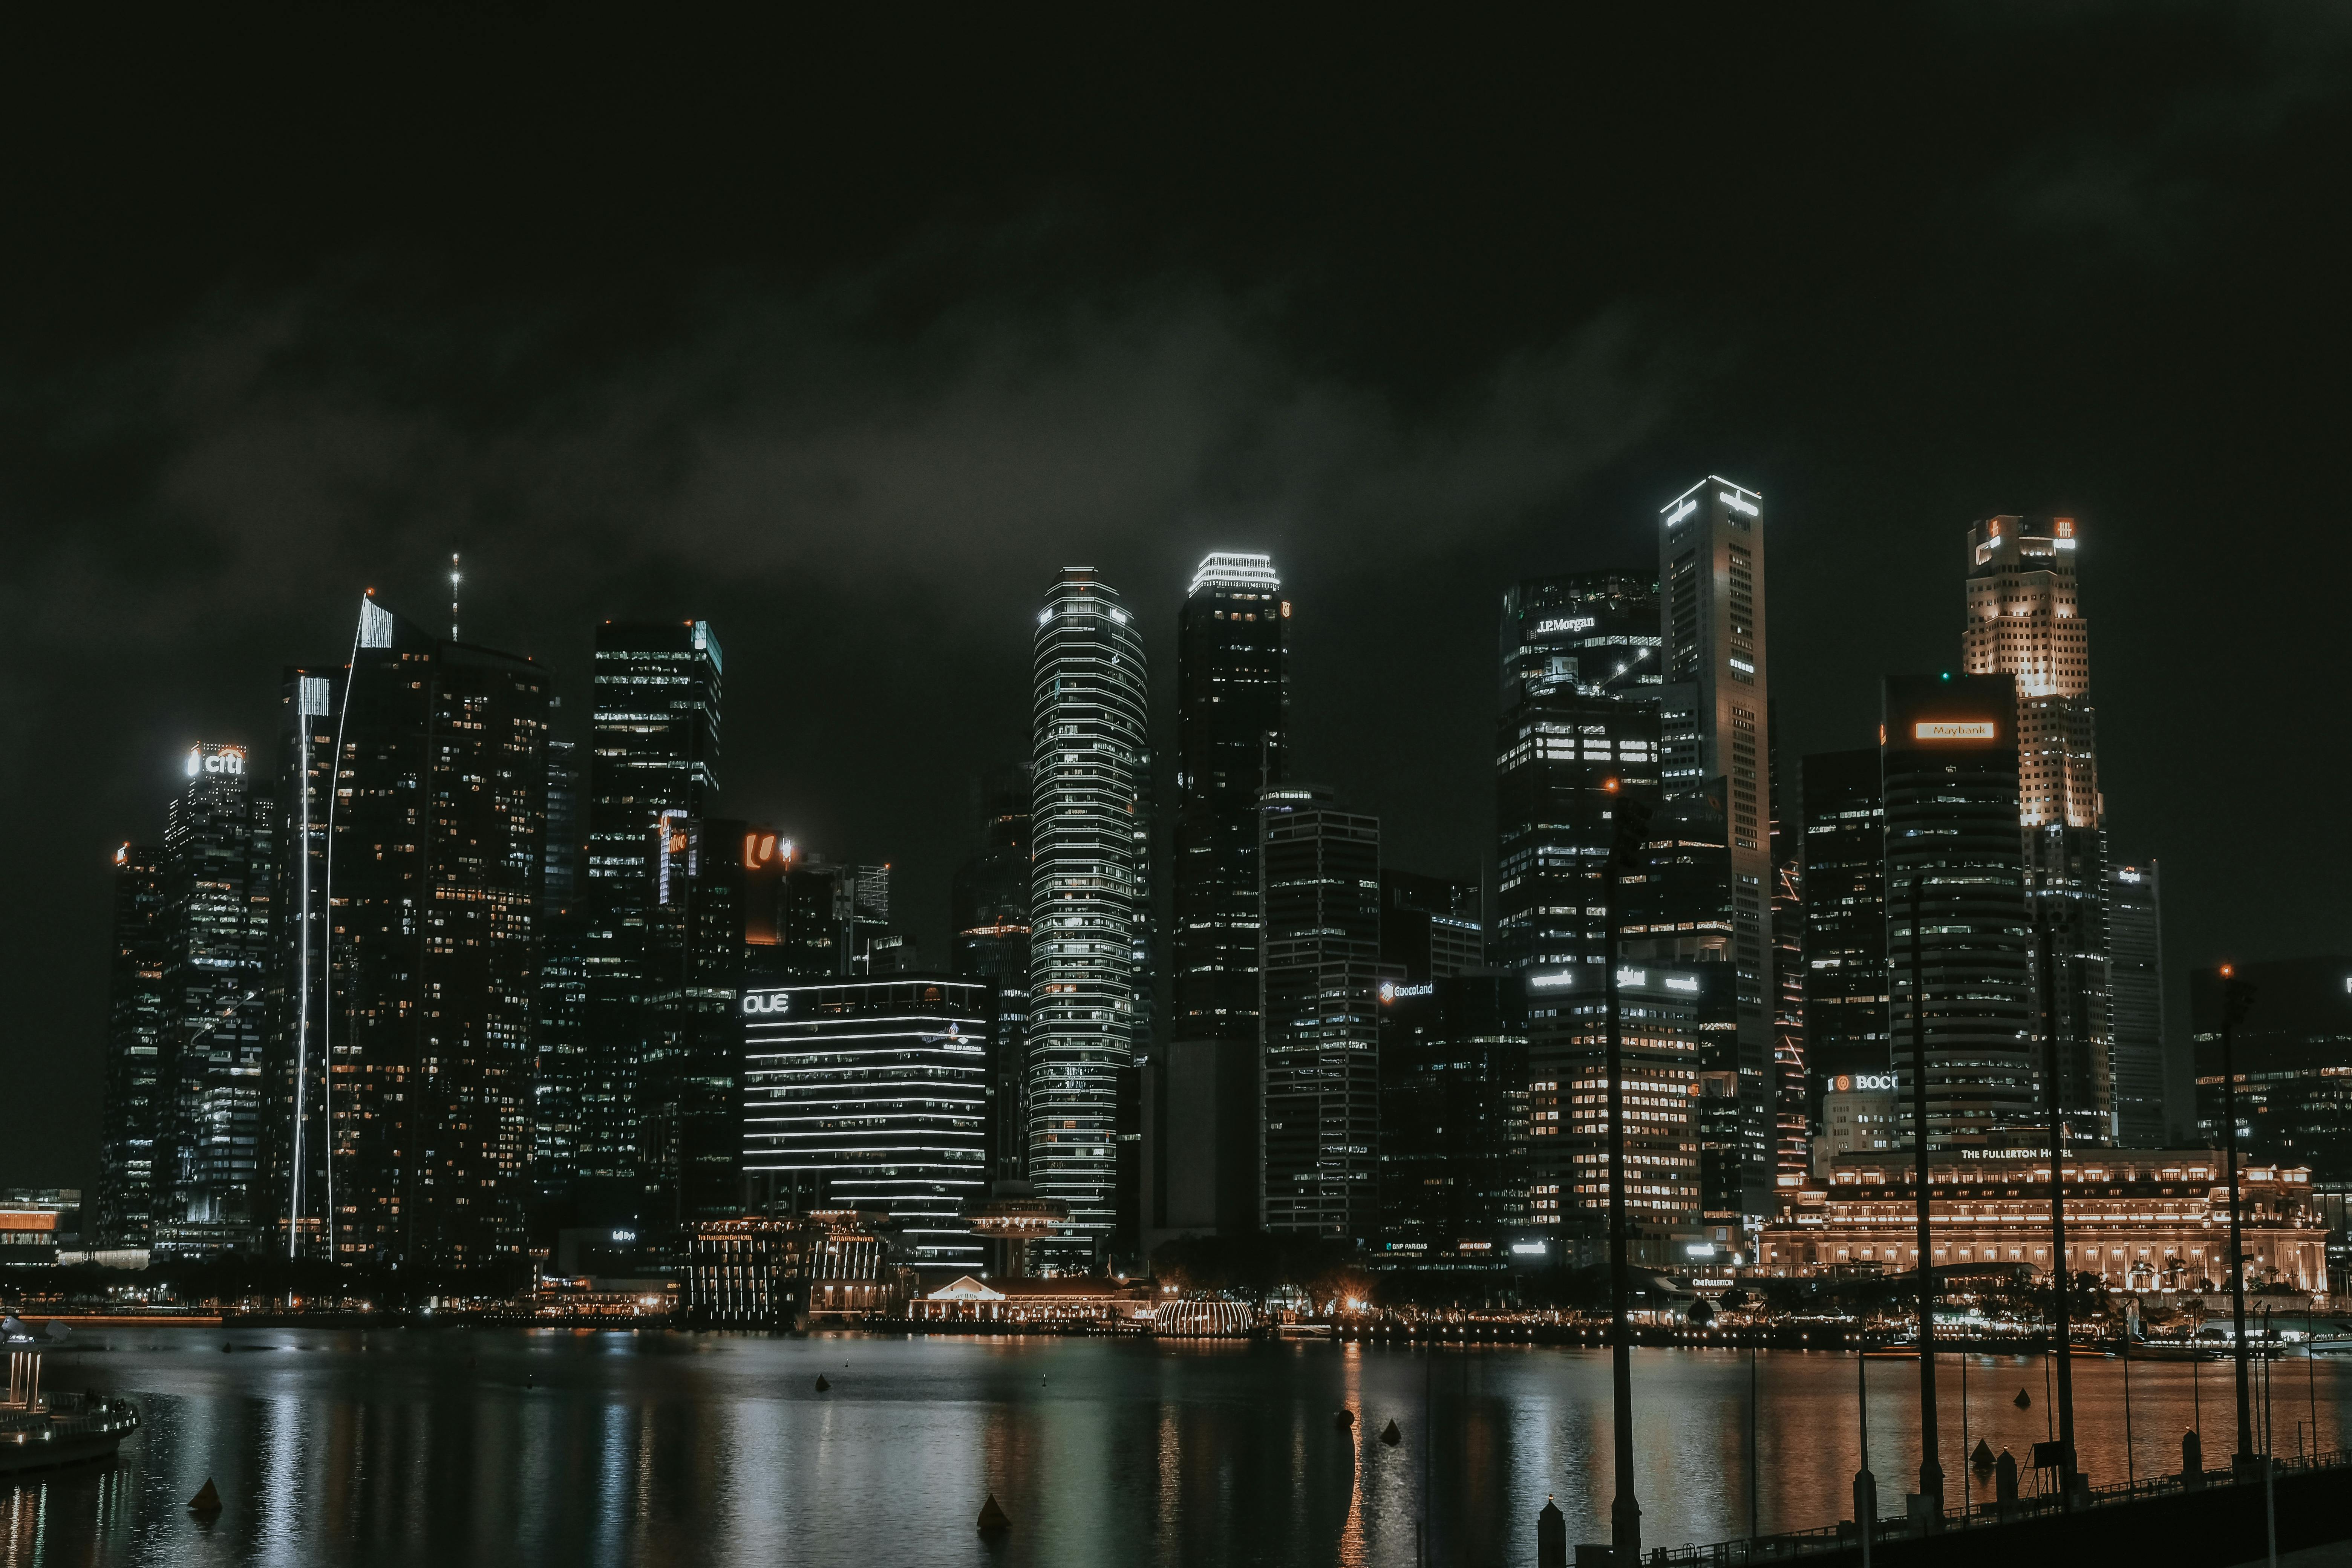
(2140, 1219)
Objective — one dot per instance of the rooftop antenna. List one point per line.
(453, 596)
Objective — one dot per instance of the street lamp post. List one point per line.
(1931, 1469)
(2237, 995)
(1633, 822)
(2061, 1332)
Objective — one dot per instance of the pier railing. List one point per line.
(1842, 1538)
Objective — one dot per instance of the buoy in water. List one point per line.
(1982, 1458)
(1391, 1435)
(1345, 1419)
(225, 1349)
(993, 1520)
(2024, 1401)
(821, 1385)
(208, 1499)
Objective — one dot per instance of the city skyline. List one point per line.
(885, 395)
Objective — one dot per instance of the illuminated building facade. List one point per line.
(1562, 760)
(437, 849)
(1587, 631)
(654, 761)
(1793, 1122)
(1318, 1008)
(1453, 1122)
(2135, 920)
(1232, 716)
(1716, 743)
(694, 947)
(1858, 1116)
(872, 1096)
(1845, 920)
(136, 1028)
(2025, 621)
(1948, 780)
(1568, 1137)
(295, 1138)
(1091, 749)
(990, 912)
(218, 864)
(2292, 1058)
(2139, 1219)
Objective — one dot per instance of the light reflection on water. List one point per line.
(515, 1449)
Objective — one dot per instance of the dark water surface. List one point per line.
(515, 1447)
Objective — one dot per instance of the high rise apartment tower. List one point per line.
(1089, 749)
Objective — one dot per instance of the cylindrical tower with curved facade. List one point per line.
(1089, 753)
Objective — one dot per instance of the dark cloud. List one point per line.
(850, 368)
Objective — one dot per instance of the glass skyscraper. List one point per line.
(2136, 990)
(1232, 715)
(136, 1029)
(437, 849)
(990, 912)
(1091, 747)
(1948, 771)
(218, 854)
(1319, 978)
(1845, 920)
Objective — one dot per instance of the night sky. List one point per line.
(846, 341)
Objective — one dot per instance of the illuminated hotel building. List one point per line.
(2025, 621)
(219, 853)
(1716, 743)
(436, 858)
(1318, 976)
(1232, 727)
(1091, 750)
(1659, 1011)
(1949, 767)
(872, 1096)
(2139, 1219)
(136, 1028)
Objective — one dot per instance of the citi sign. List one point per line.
(756, 1002)
(222, 762)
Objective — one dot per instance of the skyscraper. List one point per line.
(1844, 921)
(136, 1028)
(219, 853)
(1430, 926)
(1949, 767)
(872, 1095)
(2025, 621)
(1453, 1122)
(2135, 987)
(439, 851)
(567, 828)
(1587, 631)
(1318, 1008)
(2291, 1056)
(655, 737)
(1233, 717)
(688, 1147)
(295, 1136)
(1090, 745)
(1563, 759)
(1716, 740)
(988, 912)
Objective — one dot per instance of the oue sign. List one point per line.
(757, 1001)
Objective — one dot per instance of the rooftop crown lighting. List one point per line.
(1235, 569)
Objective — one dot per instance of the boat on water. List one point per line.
(2170, 1350)
(40, 1431)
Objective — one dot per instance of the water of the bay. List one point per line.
(517, 1448)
